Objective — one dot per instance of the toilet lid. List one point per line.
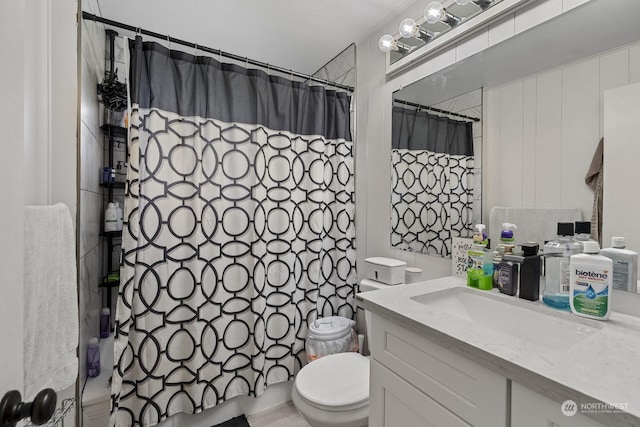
(337, 380)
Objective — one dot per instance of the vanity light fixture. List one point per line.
(425, 30)
(409, 28)
(482, 4)
(387, 43)
(435, 11)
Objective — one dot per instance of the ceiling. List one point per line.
(301, 35)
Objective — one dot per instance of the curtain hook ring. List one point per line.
(138, 31)
(196, 53)
(246, 62)
(220, 56)
(169, 41)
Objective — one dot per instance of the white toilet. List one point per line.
(333, 391)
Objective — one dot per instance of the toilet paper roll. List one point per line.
(412, 274)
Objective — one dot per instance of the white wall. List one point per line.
(12, 121)
(373, 134)
(542, 131)
(38, 115)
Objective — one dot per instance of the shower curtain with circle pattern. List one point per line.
(239, 230)
(431, 181)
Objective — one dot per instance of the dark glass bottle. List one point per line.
(530, 270)
(105, 322)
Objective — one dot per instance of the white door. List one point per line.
(38, 144)
(12, 102)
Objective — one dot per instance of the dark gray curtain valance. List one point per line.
(201, 86)
(419, 130)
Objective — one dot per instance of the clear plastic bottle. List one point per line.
(557, 255)
(93, 357)
(625, 265)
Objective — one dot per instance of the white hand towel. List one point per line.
(50, 299)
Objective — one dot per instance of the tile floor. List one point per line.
(285, 415)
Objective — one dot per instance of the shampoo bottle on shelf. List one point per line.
(111, 218)
(625, 265)
(557, 254)
(105, 322)
(118, 217)
(590, 283)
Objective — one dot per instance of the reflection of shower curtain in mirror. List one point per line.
(239, 231)
(431, 182)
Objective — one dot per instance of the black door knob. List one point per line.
(13, 409)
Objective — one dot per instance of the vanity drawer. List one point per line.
(472, 392)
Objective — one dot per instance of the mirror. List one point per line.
(549, 80)
(435, 174)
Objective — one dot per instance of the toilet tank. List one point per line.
(385, 270)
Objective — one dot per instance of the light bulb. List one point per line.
(463, 2)
(408, 28)
(387, 43)
(434, 12)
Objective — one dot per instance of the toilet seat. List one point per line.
(338, 382)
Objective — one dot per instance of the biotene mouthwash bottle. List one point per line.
(590, 283)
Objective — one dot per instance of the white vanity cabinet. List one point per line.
(416, 382)
(531, 409)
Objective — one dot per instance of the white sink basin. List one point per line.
(509, 316)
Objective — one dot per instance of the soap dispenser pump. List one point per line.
(506, 235)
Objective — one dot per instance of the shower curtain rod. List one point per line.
(435, 110)
(138, 30)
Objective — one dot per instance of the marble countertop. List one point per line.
(603, 368)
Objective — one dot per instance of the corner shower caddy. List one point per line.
(115, 135)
